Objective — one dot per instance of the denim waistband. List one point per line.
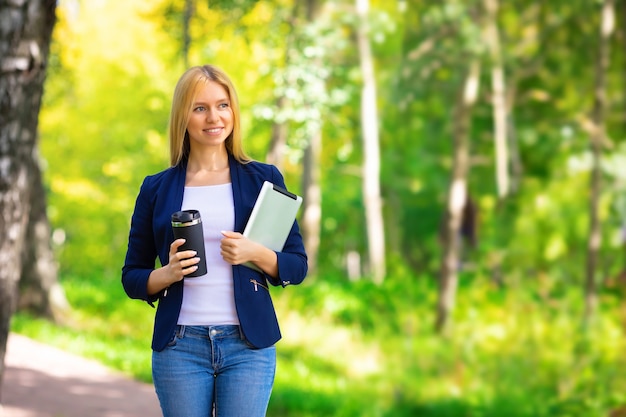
(218, 331)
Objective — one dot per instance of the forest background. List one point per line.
(533, 304)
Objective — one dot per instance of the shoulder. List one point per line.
(164, 177)
(266, 171)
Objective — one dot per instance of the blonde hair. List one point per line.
(182, 103)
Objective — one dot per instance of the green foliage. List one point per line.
(104, 123)
(366, 350)
(353, 348)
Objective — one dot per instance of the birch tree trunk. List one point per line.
(25, 32)
(500, 108)
(311, 190)
(499, 105)
(371, 164)
(457, 197)
(598, 137)
(312, 199)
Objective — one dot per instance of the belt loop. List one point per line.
(241, 335)
(181, 331)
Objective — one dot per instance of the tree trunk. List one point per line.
(622, 23)
(517, 170)
(24, 44)
(371, 165)
(278, 142)
(40, 291)
(499, 107)
(312, 199)
(457, 198)
(311, 189)
(492, 38)
(598, 133)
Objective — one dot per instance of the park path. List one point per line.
(43, 381)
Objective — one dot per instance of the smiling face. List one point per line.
(211, 120)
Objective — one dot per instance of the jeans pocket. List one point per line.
(175, 337)
(248, 344)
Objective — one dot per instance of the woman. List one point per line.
(214, 335)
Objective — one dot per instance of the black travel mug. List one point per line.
(187, 225)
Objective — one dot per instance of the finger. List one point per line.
(226, 253)
(232, 235)
(189, 270)
(186, 254)
(183, 267)
(189, 262)
(176, 244)
(189, 265)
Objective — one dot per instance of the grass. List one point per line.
(356, 349)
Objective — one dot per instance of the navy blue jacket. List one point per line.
(151, 235)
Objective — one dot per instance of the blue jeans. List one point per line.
(213, 366)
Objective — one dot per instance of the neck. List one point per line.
(208, 160)
(207, 168)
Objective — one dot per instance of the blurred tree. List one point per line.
(502, 124)
(457, 195)
(24, 45)
(277, 147)
(311, 169)
(598, 138)
(371, 148)
(498, 97)
(39, 287)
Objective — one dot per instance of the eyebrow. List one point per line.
(219, 100)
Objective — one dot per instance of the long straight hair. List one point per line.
(182, 105)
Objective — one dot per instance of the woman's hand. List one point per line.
(237, 249)
(179, 265)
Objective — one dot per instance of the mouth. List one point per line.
(213, 130)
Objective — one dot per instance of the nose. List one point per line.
(211, 115)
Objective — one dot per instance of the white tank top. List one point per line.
(209, 299)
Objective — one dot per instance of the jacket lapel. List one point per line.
(236, 178)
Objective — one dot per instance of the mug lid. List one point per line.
(185, 216)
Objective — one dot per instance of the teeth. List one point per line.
(217, 129)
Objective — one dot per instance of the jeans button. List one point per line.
(213, 332)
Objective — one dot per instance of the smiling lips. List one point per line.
(213, 131)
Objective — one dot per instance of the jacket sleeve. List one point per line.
(141, 253)
(292, 260)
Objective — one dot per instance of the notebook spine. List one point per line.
(284, 191)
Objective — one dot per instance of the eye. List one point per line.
(199, 108)
(223, 105)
